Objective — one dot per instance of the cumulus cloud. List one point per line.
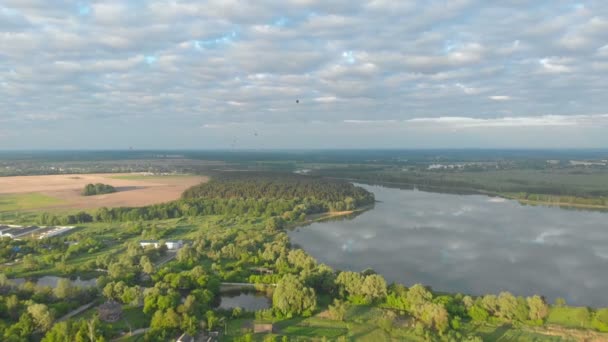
(184, 64)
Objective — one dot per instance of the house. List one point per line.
(55, 231)
(147, 243)
(173, 245)
(14, 232)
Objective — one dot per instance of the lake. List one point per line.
(249, 301)
(472, 244)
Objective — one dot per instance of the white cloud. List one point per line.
(369, 122)
(326, 99)
(513, 122)
(469, 90)
(375, 64)
(500, 97)
(554, 65)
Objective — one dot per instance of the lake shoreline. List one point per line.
(452, 242)
(476, 191)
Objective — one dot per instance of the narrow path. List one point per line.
(170, 256)
(75, 312)
(135, 332)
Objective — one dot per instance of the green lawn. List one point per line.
(571, 317)
(20, 202)
(506, 333)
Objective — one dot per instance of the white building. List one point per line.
(172, 245)
(146, 243)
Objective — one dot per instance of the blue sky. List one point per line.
(377, 73)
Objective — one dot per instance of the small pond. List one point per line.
(53, 280)
(249, 301)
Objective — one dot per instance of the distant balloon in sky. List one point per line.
(297, 101)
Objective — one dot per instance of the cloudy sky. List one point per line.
(376, 73)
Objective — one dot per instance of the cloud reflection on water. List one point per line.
(490, 246)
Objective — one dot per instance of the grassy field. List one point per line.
(361, 324)
(570, 317)
(29, 201)
(64, 192)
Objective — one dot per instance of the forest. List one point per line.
(265, 195)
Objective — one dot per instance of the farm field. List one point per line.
(63, 192)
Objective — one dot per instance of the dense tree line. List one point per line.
(262, 195)
(555, 184)
(97, 189)
(280, 186)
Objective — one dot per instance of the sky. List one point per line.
(303, 74)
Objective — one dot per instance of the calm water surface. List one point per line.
(245, 300)
(52, 281)
(471, 244)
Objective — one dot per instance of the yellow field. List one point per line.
(26, 193)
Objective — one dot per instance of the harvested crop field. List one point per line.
(64, 191)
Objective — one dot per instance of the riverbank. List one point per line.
(553, 201)
(556, 201)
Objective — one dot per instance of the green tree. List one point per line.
(417, 296)
(507, 306)
(292, 298)
(374, 287)
(478, 313)
(560, 302)
(349, 283)
(30, 262)
(64, 289)
(146, 265)
(41, 315)
(538, 307)
(24, 328)
(212, 320)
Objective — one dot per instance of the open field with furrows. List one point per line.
(64, 192)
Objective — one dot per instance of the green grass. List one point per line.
(571, 317)
(507, 333)
(305, 331)
(30, 201)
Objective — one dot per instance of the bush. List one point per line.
(600, 320)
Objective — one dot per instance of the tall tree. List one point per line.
(292, 298)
